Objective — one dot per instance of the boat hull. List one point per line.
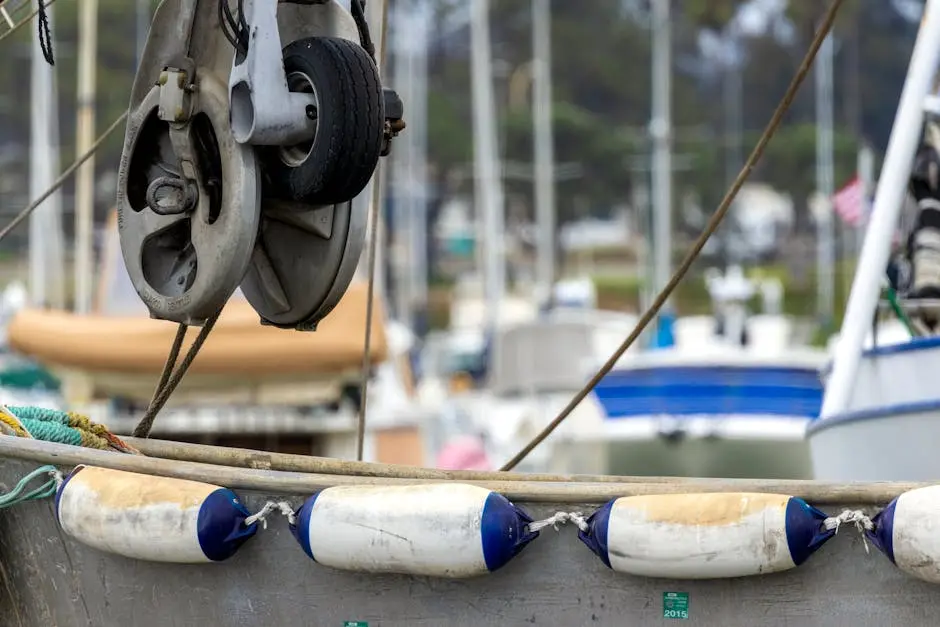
(49, 579)
(889, 430)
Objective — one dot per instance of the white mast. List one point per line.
(825, 226)
(85, 137)
(543, 145)
(892, 185)
(488, 188)
(46, 259)
(661, 132)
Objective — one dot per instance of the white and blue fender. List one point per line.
(705, 536)
(158, 519)
(907, 531)
(437, 530)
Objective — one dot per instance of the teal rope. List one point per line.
(49, 425)
(52, 432)
(40, 414)
(15, 496)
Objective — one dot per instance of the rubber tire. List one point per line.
(351, 121)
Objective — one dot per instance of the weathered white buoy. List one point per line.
(150, 518)
(907, 531)
(437, 530)
(705, 536)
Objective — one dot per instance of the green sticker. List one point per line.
(675, 604)
(355, 623)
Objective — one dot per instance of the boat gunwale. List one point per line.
(564, 490)
(872, 413)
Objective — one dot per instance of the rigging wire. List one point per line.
(710, 228)
(378, 181)
(22, 215)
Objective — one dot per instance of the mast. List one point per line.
(46, 288)
(543, 144)
(892, 185)
(85, 137)
(488, 189)
(825, 226)
(661, 132)
(411, 69)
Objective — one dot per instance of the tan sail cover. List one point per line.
(121, 337)
(238, 344)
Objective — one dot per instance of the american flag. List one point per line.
(851, 203)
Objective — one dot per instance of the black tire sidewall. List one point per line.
(337, 168)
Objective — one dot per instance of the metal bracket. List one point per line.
(176, 89)
(263, 110)
(394, 118)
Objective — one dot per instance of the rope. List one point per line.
(851, 517)
(47, 489)
(699, 244)
(51, 425)
(22, 215)
(899, 312)
(261, 516)
(45, 34)
(170, 362)
(370, 298)
(26, 20)
(560, 518)
(143, 428)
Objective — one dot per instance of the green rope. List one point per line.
(899, 311)
(16, 495)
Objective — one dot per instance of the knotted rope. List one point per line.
(851, 517)
(269, 508)
(560, 518)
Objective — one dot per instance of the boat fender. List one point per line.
(158, 519)
(705, 536)
(907, 531)
(435, 530)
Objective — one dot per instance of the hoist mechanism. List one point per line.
(252, 128)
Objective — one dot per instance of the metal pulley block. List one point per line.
(189, 195)
(241, 159)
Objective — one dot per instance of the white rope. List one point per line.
(57, 477)
(851, 517)
(261, 516)
(560, 518)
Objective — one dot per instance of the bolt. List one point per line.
(311, 112)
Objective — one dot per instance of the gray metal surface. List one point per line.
(51, 581)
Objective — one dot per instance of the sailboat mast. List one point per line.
(661, 132)
(825, 235)
(488, 189)
(543, 144)
(85, 137)
(46, 287)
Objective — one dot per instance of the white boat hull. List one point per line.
(889, 430)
